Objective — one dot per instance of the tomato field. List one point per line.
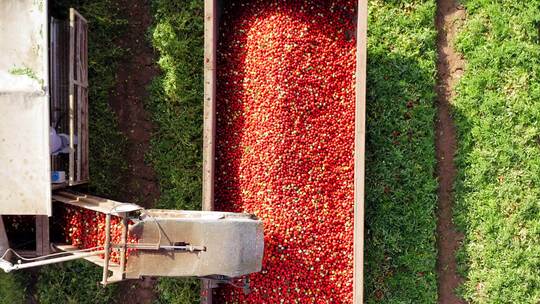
(285, 145)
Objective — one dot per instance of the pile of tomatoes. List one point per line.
(85, 228)
(285, 142)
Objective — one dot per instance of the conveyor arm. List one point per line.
(171, 243)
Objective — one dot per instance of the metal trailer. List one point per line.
(44, 86)
(212, 13)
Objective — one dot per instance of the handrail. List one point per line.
(8, 266)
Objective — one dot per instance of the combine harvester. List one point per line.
(44, 154)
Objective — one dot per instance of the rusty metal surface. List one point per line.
(211, 8)
(209, 124)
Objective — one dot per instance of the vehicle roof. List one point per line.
(24, 108)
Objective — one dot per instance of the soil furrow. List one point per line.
(135, 72)
(450, 68)
(134, 75)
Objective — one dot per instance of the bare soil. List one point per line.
(134, 74)
(450, 14)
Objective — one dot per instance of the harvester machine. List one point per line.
(44, 161)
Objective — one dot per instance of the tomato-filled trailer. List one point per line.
(44, 156)
(261, 63)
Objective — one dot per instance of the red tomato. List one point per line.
(285, 142)
(86, 229)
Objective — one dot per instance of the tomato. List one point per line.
(285, 142)
(85, 228)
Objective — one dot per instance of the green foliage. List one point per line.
(107, 143)
(497, 110)
(176, 102)
(25, 71)
(401, 188)
(12, 290)
(176, 106)
(175, 291)
(73, 283)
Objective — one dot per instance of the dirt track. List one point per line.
(134, 74)
(450, 68)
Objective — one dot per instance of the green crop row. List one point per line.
(401, 199)
(12, 288)
(497, 112)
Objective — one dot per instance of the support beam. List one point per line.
(123, 246)
(8, 267)
(107, 249)
(360, 151)
(4, 242)
(42, 235)
(209, 145)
